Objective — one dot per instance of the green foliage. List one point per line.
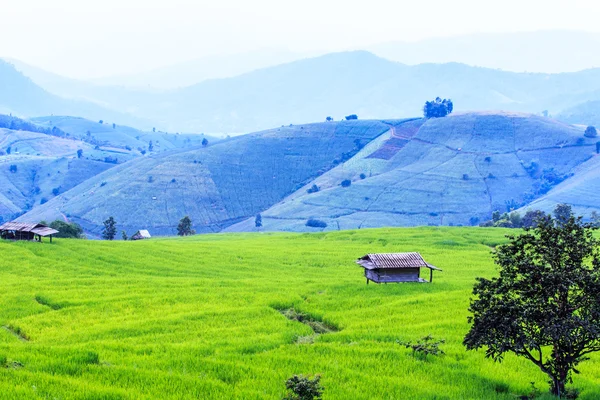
(258, 221)
(124, 235)
(346, 183)
(67, 230)
(425, 346)
(316, 223)
(544, 305)
(304, 388)
(438, 108)
(562, 213)
(110, 230)
(591, 132)
(185, 227)
(351, 117)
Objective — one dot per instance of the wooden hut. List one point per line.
(395, 267)
(26, 231)
(141, 234)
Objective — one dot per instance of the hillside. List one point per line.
(216, 186)
(22, 97)
(448, 171)
(39, 166)
(337, 85)
(587, 113)
(198, 318)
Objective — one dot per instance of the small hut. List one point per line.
(141, 234)
(26, 231)
(395, 267)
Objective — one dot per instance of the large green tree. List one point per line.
(544, 305)
(185, 227)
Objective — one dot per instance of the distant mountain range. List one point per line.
(307, 90)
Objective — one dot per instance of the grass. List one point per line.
(201, 317)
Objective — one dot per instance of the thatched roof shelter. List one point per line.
(25, 231)
(395, 267)
(141, 234)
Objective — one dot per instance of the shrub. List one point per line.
(465, 177)
(56, 191)
(43, 200)
(424, 346)
(351, 117)
(173, 180)
(362, 176)
(304, 388)
(150, 179)
(590, 132)
(488, 159)
(13, 168)
(316, 223)
(204, 142)
(328, 119)
(79, 153)
(346, 183)
(313, 189)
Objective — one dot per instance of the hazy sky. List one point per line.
(93, 38)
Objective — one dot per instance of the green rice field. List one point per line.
(199, 318)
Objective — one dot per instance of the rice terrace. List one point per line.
(201, 317)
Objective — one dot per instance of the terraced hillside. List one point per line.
(120, 136)
(35, 167)
(216, 186)
(453, 170)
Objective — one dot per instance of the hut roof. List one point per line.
(142, 234)
(38, 229)
(394, 260)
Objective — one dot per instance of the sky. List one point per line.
(91, 38)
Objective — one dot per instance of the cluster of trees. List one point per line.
(529, 220)
(17, 124)
(438, 108)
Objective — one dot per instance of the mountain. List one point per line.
(216, 186)
(22, 97)
(197, 70)
(587, 113)
(447, 171)
(540, 51)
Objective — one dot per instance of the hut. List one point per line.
(26, 231)
(141, 234)
(395, 267)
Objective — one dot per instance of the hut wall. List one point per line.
(393, 275)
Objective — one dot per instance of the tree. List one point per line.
(351, 117)
(562, 213)
(67, 230)
(79, 153)
(438, 108)
(185, 227)
(8, 150)
(13, 168)
(328, 119)
(150, 146)
(531, 217)
(595, 219)
(153, 129)
(258, 221)
(304, 388)
(204, 142)
(101, 122)
(124, 235)
(590, 132)
(114, 126)
(346, 183)
(544, 304)
(110, 230)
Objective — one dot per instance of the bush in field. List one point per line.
(185, 227)
(313, 189)
(304, 388)
(590, 132)
(438, 108)
(67, 230)
(544, 305)
(109, 231)
(316, 223)
(425, 346)
(362, 176)
(346, 183)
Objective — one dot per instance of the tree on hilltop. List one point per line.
(258, 221)
(544, 304)
(110, 230)
(185, 227)
(204, 142)
(351, 117)
(438, 108)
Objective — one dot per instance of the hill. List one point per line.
(587, 113)
(337, 85)
(447, 171)
(198, 318)
(216, 186)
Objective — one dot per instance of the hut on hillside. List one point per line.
(26, 231)
(141, 234)
(395, 267)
